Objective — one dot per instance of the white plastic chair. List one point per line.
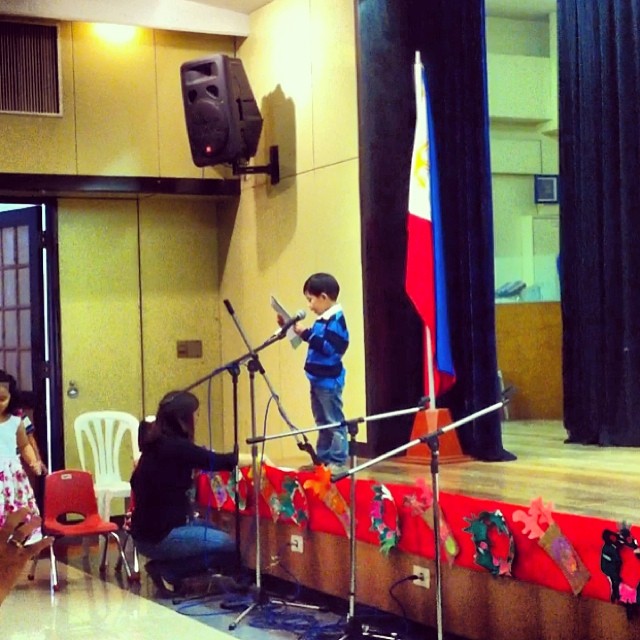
(104, 431)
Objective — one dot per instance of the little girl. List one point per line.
(16, 492)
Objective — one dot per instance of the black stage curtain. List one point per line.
(599, 62)
(450, 34)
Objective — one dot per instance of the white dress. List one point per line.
(14, 483)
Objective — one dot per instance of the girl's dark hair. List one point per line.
(14, 402)
(174, 418)
(320, 283)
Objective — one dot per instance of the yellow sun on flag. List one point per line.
(421, 165)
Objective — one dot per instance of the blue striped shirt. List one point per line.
(328, 340)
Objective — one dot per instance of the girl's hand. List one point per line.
(39, 468)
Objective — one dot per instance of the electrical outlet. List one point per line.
(424, 576)
(297, 544)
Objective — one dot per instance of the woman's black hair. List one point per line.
(14, 402)
(174, 417)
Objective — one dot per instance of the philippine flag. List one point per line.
(425, 276)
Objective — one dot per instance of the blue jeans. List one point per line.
(189, 550)
(326, 406)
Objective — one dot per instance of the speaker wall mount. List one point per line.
(272, 169)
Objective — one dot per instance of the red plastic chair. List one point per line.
(70, 492)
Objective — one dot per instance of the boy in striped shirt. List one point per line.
(328, 340)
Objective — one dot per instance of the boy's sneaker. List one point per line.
(338, 468)
(307, 467)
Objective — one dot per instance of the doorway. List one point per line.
(29, 315)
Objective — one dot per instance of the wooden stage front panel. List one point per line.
(592, 481)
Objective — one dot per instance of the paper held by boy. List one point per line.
(294, 339)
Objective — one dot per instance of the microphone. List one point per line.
(300, 315)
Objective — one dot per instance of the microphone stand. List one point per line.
(233, 368)
(301, 439)
(353, 627)
(254, 365)
(433, 441)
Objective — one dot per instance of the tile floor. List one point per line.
(88, 607)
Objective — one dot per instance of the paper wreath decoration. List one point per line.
(293, 501)
(553, 541)
(289, 504)
(617, 545)
(486, 556)
(326, 491)
(387, 535)
(238, 484)
(218, 490)
(421, 504)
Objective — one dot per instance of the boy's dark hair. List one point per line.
(320, 283)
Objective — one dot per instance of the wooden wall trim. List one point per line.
(63, 185)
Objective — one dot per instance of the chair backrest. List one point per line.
(104, 431)
(69, 491)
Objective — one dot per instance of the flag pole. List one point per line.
(430, 376)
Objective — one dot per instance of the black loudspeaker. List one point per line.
(222, 116)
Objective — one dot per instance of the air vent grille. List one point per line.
(29, 68)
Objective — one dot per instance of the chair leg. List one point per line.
(125, 542)
(105, 549)
(135, 569)
(136, 562)
(118, 566)
(53, 571)
(122, 556)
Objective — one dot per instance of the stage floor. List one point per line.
(595, 481)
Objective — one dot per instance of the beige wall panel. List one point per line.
(281, 234)
(335, 98)
(336, 213)
(263, 250)
(100, 315)
(172, 49)
(116, 104)
(519, 87)
(512, 201)
(271, 246)
(43, 144)
(277, 59)
(516, 155)
(518, 37)
(179, 281)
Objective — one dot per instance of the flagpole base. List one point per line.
(427, 422)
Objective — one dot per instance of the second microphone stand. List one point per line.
(433, 441)
(354, 627)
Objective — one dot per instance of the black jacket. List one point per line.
(160, 483)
